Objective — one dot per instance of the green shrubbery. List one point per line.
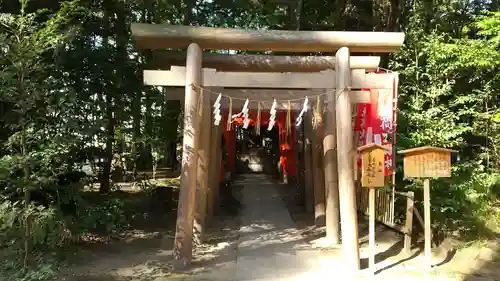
(449, 97)
(50, 230)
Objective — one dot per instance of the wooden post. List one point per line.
(205, 112)
(187, 198)
(427, 220)
(410, 202)
(330, 170)
(319, 182)
(298, 145)
(308, 171)
(371, 230)
(394, 137)
(372, 176)
(213, 170)
(348, 215)
(218, 164)
(427, 162)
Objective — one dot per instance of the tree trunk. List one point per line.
(298, 14)
(172, 155)
(171, 116)
(188, 12)
(428, 14)
(27, 200)
(121, 87)
(146, 158)
(137, 117)
(393, 20)
(339, 17)
(376, 15)
(108, 153)
(494, 6)
(136, 128)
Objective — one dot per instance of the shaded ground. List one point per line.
(142, 255)
(144, 179)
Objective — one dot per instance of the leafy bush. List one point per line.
(46, 232)
(46, 226)
(105, 217)
(49, 229)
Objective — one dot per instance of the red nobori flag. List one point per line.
(374, 122)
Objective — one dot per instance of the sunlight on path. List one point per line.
(269, 245)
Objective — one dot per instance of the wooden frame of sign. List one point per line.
(427, 162)
(372, 177)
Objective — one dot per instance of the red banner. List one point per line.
(375, 122)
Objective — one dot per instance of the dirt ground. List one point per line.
(142, 255)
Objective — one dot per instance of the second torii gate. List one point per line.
(346, 82)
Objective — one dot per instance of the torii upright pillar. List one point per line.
(203, 166)
(330, 166)
(347, 191)
(183, 244)
(318, 171)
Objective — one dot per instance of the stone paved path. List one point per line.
(270, 247)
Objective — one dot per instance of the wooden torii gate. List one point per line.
(264, 74)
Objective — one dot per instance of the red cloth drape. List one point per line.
(287, 148)
(375, 126)
(288, 159)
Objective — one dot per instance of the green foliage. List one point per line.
(449, 98)
(47, 225)
(488, 26)
(51, 228)
(47, 232)
(44, 269)
(106, 217)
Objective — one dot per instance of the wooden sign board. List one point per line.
(372, 170)
(427, 162)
